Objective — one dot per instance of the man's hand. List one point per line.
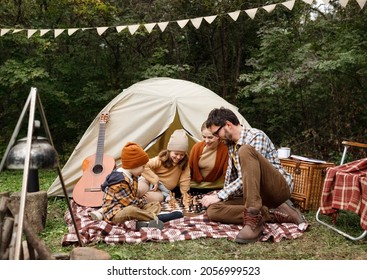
(209, 199)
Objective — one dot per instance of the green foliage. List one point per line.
(307, 87)
(77, 75)
(172, 71)
(15, 74)
(299, 75)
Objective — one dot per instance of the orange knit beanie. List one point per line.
(132, 156)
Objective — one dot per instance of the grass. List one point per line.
(317, 243)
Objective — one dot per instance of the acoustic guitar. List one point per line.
(87, 191)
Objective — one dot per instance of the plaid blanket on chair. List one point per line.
(186, 228)
(345, 188)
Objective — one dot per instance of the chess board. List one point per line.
(190, 206)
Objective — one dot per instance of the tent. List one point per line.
(146, 113)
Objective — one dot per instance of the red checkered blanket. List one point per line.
(186, 228)
(345, 188)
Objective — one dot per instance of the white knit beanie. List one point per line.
(178, 141)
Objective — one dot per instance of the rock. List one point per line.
(87, 253)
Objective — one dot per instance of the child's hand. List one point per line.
(155, 188)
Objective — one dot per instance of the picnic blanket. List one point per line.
(345, 188)
(186, 228)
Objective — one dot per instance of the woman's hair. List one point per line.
(203, 126)
(167, 161)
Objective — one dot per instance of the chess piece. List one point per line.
(195, 200)
(202, 207)
(181, 202)
(191, 206)
(172, 201)
(195, 204)
(186, 200)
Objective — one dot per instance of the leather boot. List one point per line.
(286, 213)
(253, 225)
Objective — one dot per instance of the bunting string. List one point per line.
(196, 22)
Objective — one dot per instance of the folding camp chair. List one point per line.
(347, 145)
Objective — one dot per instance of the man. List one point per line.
(256, 188)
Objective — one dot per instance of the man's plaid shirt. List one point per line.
(261, 142)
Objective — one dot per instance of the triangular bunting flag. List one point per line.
(163, 25)
(101, 30)
(44, 31)
(361, 3)
(182, 23)
(196, 22)
(309, 2)
(133, 28)
(71, 31)
(58, 32)
(4, 31)
(251, 12)
(269, 8)
(234, 15)
(120, 28)
(149, 26)
(288, 4)
(30, 32)
(210, 19)
(343, 3)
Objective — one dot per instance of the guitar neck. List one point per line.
(100, 143)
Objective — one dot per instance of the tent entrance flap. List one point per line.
(161, 141)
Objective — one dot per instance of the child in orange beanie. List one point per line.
(121, 201)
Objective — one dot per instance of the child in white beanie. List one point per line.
(167, 170)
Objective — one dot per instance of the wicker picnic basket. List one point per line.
(308, 178)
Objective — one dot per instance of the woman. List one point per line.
(208, 163)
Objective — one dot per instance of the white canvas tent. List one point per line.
(146, 113)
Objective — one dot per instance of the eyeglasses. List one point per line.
(216, 133)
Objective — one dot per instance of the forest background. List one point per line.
(299, 74)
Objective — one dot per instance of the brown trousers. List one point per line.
(263, 187)
(132, 212)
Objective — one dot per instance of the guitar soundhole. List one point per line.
(97, 169)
